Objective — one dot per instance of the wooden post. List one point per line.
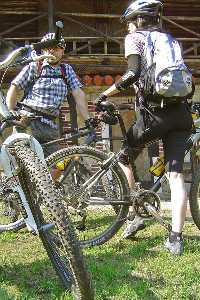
(51, 15)
(89, 47)
(74, 47)
(105, 47)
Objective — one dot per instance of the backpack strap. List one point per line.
(39, 68)
(64, 75)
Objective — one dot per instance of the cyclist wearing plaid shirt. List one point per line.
(45, 89)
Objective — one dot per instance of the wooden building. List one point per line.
(95, 37)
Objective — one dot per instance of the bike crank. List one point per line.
(147, 204)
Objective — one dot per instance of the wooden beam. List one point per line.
(184, 18)
(182, 27)
(83, 38)
(89, 15)
(92, 29)
(22, 24)
(112, 16)
(92, 15)
(14, 12)
(196, 45)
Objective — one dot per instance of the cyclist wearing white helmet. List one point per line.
(45, 87)
(160, 118)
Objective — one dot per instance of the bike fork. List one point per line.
(28, 220)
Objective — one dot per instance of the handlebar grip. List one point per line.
(45, 44)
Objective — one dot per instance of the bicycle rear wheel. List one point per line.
(55, 229)
(99, 211)
(194, 199)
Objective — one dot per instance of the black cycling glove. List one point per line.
(91, 122)
(98, 101)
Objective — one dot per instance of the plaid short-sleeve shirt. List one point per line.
(49, 90)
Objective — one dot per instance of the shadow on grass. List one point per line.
(117, 263)
(127, 266)
(36, 280)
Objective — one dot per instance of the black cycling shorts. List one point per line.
(172, 125)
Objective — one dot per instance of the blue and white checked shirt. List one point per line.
(46, 93)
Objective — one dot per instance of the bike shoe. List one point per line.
(175, 247)
(133, 227)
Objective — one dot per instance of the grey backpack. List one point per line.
(167, 76)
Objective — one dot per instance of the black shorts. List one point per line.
(172, 125)
(43, 133)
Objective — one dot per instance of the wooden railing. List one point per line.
(92, 45)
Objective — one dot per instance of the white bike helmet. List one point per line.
(51, 36)
(142, 8)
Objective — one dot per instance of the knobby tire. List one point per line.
(63, 249)
(194, 199)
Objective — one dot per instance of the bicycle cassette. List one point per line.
(144, 198)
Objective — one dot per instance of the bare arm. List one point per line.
(11, 98)
(81, 102)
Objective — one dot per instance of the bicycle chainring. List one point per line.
(146, 197)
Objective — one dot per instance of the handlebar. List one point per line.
(21, 120)
(11, 59)
(20, 51)
(12, 56)
(34, 47)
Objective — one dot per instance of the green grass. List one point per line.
(121, 269)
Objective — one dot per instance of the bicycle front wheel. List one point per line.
(194, 198)
(99, 210)
(55, 229)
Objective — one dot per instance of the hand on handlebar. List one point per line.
(91, 122)
(98, 101)
(105, 106)
(107, 112)
(14, 115)
(20, 118)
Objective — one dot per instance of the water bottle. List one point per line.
(61, 165)
(158, 168)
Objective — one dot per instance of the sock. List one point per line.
(174, 236)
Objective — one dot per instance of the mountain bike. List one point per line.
(28, 185)
(97, 193)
